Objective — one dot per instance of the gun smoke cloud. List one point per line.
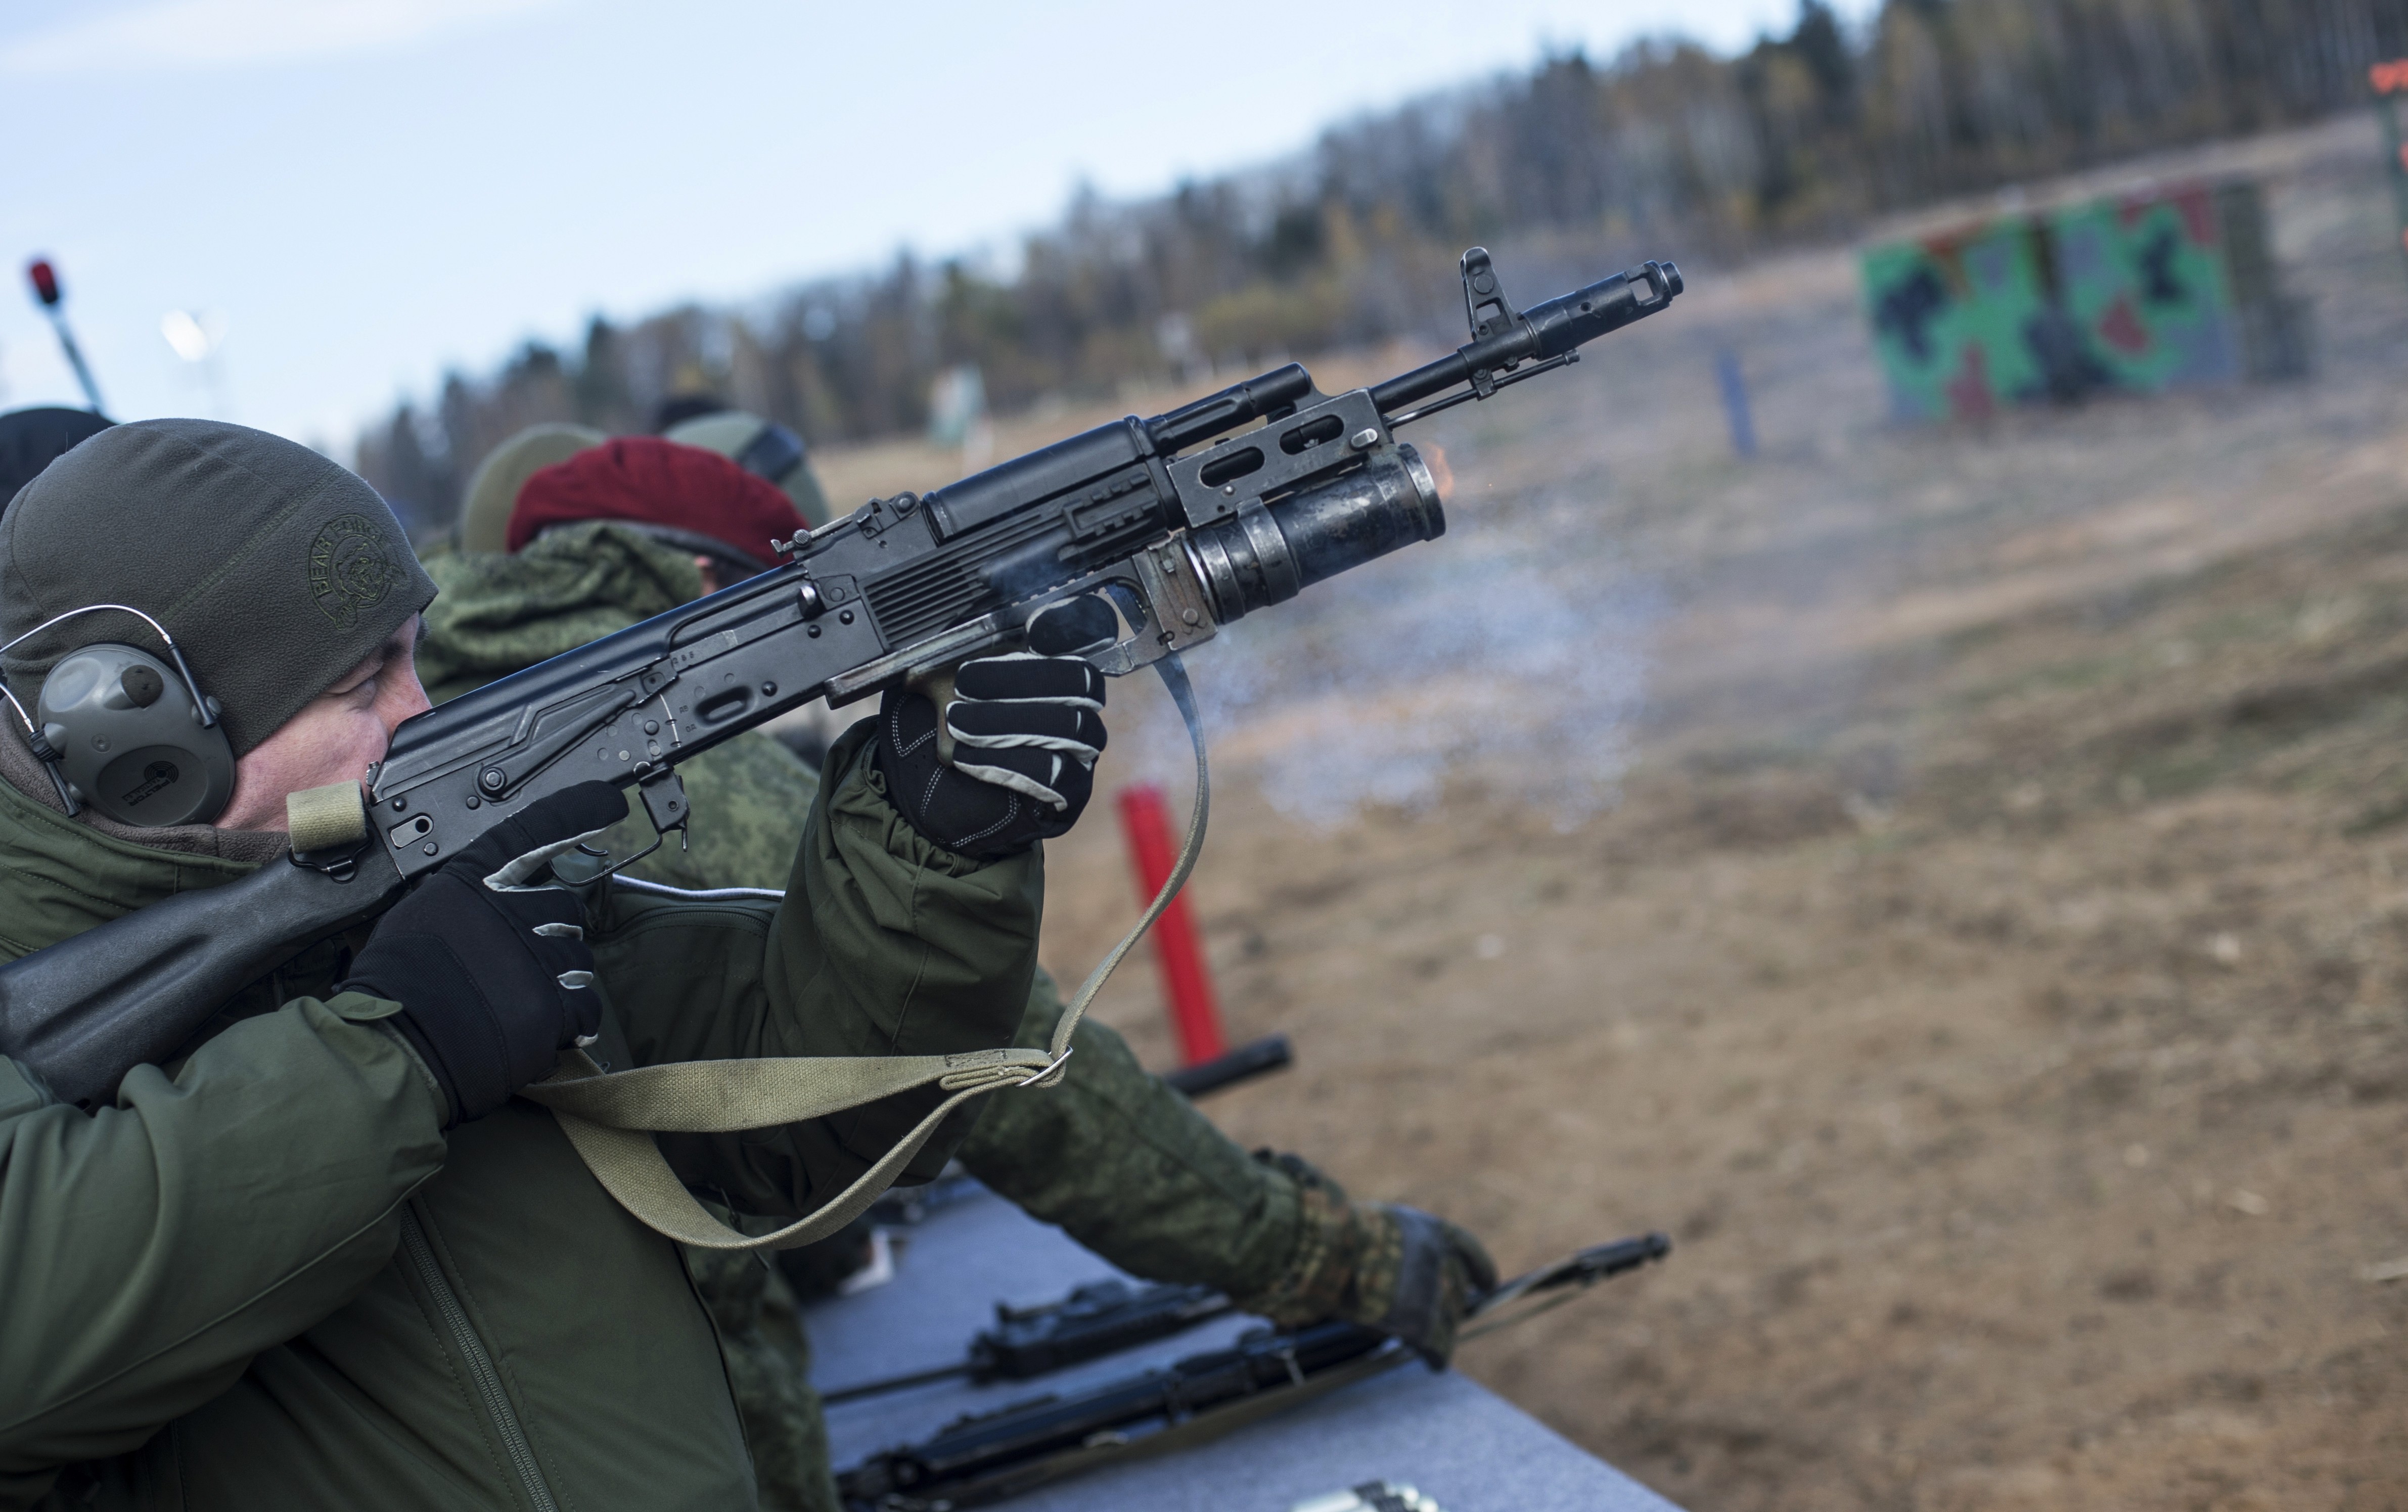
(1513, 653)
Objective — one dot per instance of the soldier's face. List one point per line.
(333, 738)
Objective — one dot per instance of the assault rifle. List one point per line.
(1124, 545)
(991, 1456)
(1099, 1319)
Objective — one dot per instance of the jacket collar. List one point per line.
(59, 877)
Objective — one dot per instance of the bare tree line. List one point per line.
(1666, 146)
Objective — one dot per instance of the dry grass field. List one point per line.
(1992, 966)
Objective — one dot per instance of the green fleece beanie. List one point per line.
(276, 570)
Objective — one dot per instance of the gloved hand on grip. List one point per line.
(1025, 731)
(493, 984)
(1397, 1269)
(1419, 1278)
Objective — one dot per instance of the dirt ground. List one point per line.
(1994, 972)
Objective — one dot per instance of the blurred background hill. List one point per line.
(1576, 163)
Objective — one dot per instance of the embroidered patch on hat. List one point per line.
(350, 568)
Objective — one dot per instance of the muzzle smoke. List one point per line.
(1513, 653)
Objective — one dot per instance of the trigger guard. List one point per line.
(1059, 621)
(1126, 599)
(1132, 590)
(1123, 657)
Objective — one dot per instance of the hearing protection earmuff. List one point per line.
(127, 733)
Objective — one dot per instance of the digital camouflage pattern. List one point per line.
(1127, 1166)
(1112, 1155)
(495, 613)
(1394, 1268)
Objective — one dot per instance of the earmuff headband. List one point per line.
(209, 717)
(202, 710)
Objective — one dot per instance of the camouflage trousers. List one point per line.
(1129, 1169)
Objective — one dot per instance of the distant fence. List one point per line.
(2144, 294)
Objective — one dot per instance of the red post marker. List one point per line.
(1186, 982)
(45, 280)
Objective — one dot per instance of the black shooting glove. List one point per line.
(1027, 730)
(1419, 1278)
(493, 983)
(1397, 1269)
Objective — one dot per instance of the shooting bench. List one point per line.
(1458, 1443)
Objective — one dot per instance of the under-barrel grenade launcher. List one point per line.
(1122, 545)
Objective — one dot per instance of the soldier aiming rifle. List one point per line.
(307, 1074)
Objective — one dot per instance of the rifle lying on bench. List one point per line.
(991, 1456)
(1099, 1319)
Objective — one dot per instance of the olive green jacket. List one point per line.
(1114, 1155)
(1111, 1154)
(265, 1278)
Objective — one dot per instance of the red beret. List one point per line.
(645, 480)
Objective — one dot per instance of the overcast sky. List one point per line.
(360, 194)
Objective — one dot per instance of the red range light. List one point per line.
(45, 279)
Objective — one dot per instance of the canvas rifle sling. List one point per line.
(610, 1117)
